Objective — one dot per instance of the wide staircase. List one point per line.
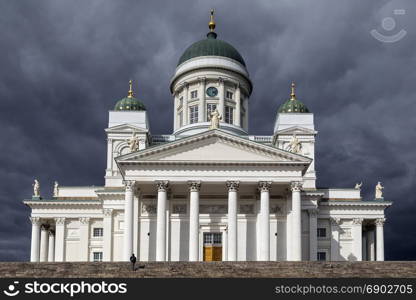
(390, 269)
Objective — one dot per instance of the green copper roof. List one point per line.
(211, 47)
(293, 105)
(129, 104)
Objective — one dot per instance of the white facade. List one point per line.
(208, 194)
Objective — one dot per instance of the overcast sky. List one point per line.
(64, 64)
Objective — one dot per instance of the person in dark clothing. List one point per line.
(133, 260)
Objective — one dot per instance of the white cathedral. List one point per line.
(209, 191)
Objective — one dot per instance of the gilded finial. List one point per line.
(130, 93)
(211, 23)
(292, 94)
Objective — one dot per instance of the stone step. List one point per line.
(405, 269)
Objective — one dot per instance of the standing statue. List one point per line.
(215, 119)
(133, 142)
(56, 189)
(36, 188)
(358, 185)
(379, 190)
(295, 145)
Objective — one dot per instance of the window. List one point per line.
(180, 119)
(180, 101)
(229, 115)
(321, 232)
(97, 256)
(210, 108)
(194, 94)
(229, 95)
(193, 114)
(321, 256)
(97, 232)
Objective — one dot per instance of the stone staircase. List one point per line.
(389, 269)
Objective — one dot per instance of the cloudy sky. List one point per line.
(64, 64)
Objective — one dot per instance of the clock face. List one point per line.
(212, 91)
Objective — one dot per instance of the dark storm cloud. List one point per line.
(63, 65)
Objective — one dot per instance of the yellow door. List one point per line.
(212, 246)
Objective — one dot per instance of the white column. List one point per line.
(51, 249)
(357, 238)
(296, 221)
(335, 239)
(108, 234)
(185, 104)
(128, 220)
(313, 225)
(245, 124)
(201, 96)
(162, 187)
(194, 187)
(109, 156)
(59, 239)
(175, 110)
(44, 243)
(264, 222)
(35, 243)
(232, 219)
(370, 245)
(380, 239)
(221, 96)
(84, 237)
(238, 106)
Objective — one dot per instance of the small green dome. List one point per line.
(129, 102)
(293, 105)
(211, 47)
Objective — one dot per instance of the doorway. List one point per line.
(212, 246)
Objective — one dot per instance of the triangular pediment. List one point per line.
(214, 146)
(296, 130)
(125, 128)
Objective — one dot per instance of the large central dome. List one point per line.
(211, 46)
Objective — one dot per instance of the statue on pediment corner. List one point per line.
(379, 191)
(36, 188)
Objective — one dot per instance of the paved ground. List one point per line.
(212, 269)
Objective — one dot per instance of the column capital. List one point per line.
(194, 186)
(84, 221)
(162, 185)
(264, 186)
(108, 212)
(129, 184)
(380, 222)
(59, 221)
(357, 221)
(34, 220)
(335, 221)
(185, 85)
(296, 186)
(233, 186)
(313, 212)
(51, 232)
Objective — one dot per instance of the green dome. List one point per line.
(129, 103)
(211, 47)
(293, 105)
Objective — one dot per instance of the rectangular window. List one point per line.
(180, 119)
(229, 111)
(194, 94)
(210, 108)
(229, 95)
(97, 232)
(321, 232)
(321, 256)
(97, 256)
(193, 114)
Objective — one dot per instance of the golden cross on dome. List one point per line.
(130, 93)
(211, 23)
(292, 94)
